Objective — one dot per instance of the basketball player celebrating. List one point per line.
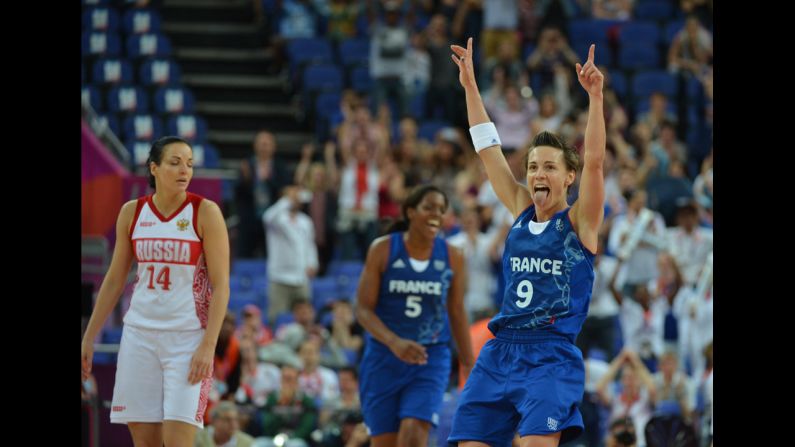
(411, 296)
(531, 376)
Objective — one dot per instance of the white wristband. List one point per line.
(484, 135)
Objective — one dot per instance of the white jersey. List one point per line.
(172, 289)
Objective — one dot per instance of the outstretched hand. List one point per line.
(591, 79)
(463, 59)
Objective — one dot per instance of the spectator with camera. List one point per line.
(621, 434)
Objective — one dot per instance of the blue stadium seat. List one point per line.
(324, 291)
(148, 45)
(638, 57)
(141, 21)
(112, 335)
(361, 80)
(527, 51)
(205, 155)
(417, 106)
(587, 30)
(90, 95)
(282, 319)
(241, 299)
(421, 20)
(699, 141)
(253, 268)
(138, 150)
(647, 82)
(602, 54)
(671, 29)
(639, 33)
(112, 71)
(270, 7)
(363, 26)
(174, 100)
(618, 82)
(190, 127)
(98, 44)
(101, 19)
(349, 268)
(142, 128)
(128, 99)
(694, 89)
(642, 105)
(240, 283)
(319, 78)
(654, 10)
(110, 121)
(159, 72)
(428, 129)
(354, 51)
(302, 51)
(326, 104)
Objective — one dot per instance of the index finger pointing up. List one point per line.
(590, 52)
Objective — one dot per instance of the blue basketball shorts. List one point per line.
(523, 381)
(391, 390)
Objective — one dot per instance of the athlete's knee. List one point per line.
(413, 433)
(146, 435)
(179, 434)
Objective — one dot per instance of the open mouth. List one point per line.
(434, 224)
(540, 193)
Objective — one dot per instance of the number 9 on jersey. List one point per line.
(524, 291)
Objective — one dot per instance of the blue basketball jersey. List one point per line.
(414, 304)
(548, 277)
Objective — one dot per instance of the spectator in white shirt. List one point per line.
(640, 266)
(598, 330)
(481, 282)
(689, 243)
(292, 254)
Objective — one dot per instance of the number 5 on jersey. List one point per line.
(162, 277)
(413, 307)
(525, 291)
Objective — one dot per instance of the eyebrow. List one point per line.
(177, 157)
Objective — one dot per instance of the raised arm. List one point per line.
(643, 374)
(512, 194)
(588, 212)
(619, 297)
(609, 376)
(329, 150)
(302, 170)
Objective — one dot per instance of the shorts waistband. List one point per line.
(530, 336)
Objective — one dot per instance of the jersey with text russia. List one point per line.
(172, 289)
(414, 304)
(548, 277)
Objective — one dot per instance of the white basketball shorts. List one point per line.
(152, 378)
